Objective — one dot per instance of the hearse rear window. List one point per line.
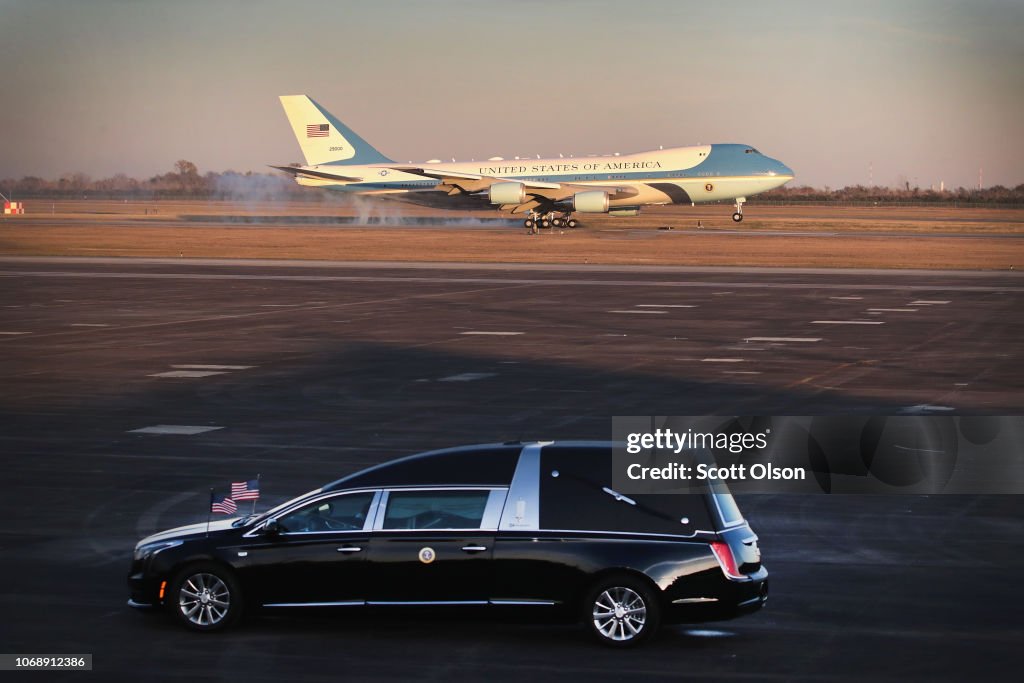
(576, 493)
(435, 509)
(727, 507)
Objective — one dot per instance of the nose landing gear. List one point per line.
(738, 216)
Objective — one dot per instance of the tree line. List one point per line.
(997, 194)
(185, 182)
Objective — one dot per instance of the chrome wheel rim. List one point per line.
(204, 599)
(619, 613)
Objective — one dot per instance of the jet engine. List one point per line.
(591, 201)
(506, 193)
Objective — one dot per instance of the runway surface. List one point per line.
(309, 371)
(676, 224)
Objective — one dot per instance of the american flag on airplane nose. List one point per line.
(245, 490)
(318, 130)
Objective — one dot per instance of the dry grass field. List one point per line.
(817, 236)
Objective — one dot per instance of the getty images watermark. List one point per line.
(915, 454)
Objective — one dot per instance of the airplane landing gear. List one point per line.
(565, 219)
(738, 216)
(535, 221)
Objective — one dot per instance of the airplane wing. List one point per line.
(468, 182)
(320, 175)
(539, 192)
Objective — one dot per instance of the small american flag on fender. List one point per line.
(245, 490)
(222, 503)
(318, 130)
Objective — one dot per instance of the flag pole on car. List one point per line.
(209, 512)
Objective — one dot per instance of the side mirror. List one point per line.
(272, 528)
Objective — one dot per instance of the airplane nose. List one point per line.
(782, 169)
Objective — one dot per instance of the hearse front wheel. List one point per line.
(205, 597)
(622, 611)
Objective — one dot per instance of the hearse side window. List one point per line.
(576, 499)
(338, 513)
(435, 509)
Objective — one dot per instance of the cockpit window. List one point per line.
(750, 150)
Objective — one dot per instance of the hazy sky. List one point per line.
(926, 90)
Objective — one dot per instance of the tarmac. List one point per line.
(132, 385)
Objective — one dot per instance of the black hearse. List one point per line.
(535, 526)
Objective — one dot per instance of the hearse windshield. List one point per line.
(277, 508)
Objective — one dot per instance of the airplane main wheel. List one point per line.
(557, 222)
(737, 217)
(529, 223)
(571, 223)
(545, 223)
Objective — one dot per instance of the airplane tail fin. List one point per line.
(323, 138)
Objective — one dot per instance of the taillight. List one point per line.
(725, 559)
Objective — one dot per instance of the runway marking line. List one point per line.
(641, 312)
(722, 360)
(89, 325)
(782, 339)
(188, 374)
(13, 334)
(847, 298)
(489, 333)
(925, 409)
(181, 430)
(847, 322)
(196, 366)
(894, 310)
(666, 306)
(927, 302)
(467, 377)
(831, 371)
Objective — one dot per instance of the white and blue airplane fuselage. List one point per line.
(548, 190)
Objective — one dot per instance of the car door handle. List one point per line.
(474, 548)
(349, 549)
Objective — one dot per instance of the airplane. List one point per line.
(549, 191)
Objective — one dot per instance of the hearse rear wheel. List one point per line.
(622, 611)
